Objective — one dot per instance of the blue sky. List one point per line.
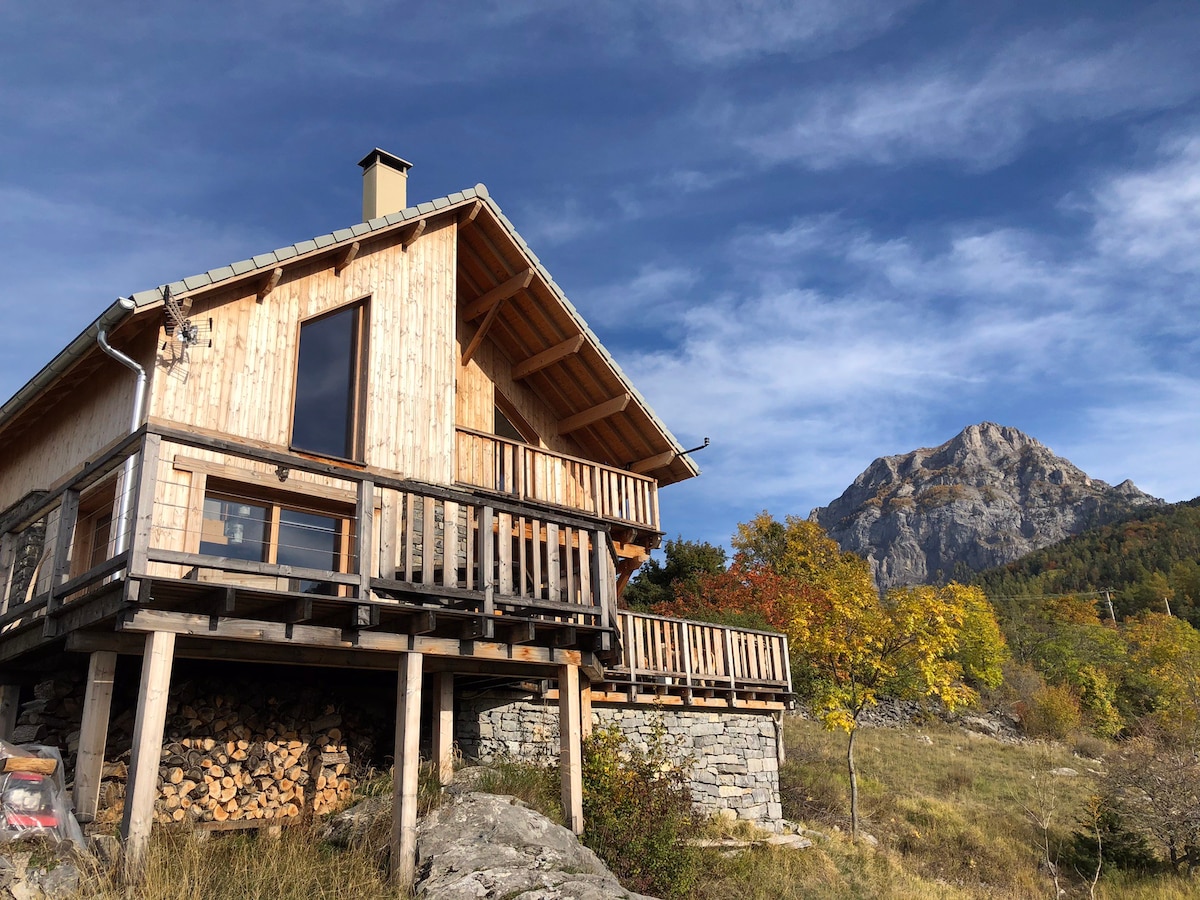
(816, 232)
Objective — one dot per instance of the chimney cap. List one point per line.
(388, 159)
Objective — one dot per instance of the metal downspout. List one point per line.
(124, 510)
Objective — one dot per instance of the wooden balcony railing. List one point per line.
(222, 516)
(682, 656)
(542, 476)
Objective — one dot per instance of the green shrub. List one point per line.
(637, 813)
(1053, 713)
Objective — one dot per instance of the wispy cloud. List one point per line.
(976, 105)
(798, 377)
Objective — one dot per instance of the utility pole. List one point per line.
(1108, 599)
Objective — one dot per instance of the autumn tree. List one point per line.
(849, 646)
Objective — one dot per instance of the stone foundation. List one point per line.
(732, 757)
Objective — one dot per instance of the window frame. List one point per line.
(275, 501)
(360, 354)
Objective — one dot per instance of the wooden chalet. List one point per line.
(394, 446)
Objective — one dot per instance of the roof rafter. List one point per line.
(547, 357)
(498, 294)
(595, 414)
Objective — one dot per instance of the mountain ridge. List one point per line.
(984, 498)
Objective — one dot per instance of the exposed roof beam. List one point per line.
(412, 234)
(650, 463)
(346, 258)
(481, 332)
(271, 283)
(547, 357)
(467, 216)
(595, 414)
(502, 291)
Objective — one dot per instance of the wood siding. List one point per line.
(243, 385)
(488, 371)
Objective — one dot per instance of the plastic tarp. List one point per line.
(33, 796)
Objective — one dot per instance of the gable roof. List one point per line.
(572, 385)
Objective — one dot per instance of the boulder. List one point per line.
(478, 846)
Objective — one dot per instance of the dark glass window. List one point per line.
(235, 529)
(325, 418)
(311, 541)
(503, 427)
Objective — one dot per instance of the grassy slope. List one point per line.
(956, 817)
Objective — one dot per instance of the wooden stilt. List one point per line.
(443, 726)
(10, 698)
(585, 709)
(97, 704)
(147, 749)
(571, 757)
(408, 760)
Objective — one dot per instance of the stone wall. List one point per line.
(732, 757)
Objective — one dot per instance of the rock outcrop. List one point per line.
(482, 845)
(984, 498)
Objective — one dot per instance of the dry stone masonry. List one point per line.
(732, 758)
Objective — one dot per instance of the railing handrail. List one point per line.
(616, 470)
(737, 628)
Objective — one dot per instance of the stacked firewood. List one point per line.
(52, 716)
(238, 764)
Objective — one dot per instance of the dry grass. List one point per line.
(296, 866)
(957, 817)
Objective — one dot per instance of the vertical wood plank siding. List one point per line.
(243, 385)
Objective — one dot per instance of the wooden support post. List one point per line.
(147, 748)
(443, 726)
(570, 739)
(93, 732)
(585, 709)
(404, 780)
(10, 698)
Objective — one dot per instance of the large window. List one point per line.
(256, 530)
(327, 416)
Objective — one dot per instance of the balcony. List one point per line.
(253, 554)
(533, 474)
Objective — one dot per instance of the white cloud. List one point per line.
(976, 105)
(1152, 218)
(727, 31)
(792, 378)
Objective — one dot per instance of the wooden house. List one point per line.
(397, 446)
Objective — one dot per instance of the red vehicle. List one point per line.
(27, 802)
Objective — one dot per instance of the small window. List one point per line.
(506, 429)
(327, 416)
(508, 423)
(253, 530)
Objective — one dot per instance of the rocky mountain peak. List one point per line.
(985, 497)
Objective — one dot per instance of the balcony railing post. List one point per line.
(487, 557)
(60, 567)
(729, 666)
(142, 511)
(366, 536)
(687, 660)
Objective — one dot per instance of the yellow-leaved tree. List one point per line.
(852, 646)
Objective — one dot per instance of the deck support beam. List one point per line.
(571, 746)
(443, 725)
(10, 698)
(93, 733)
(408, 761)
(147, 749)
